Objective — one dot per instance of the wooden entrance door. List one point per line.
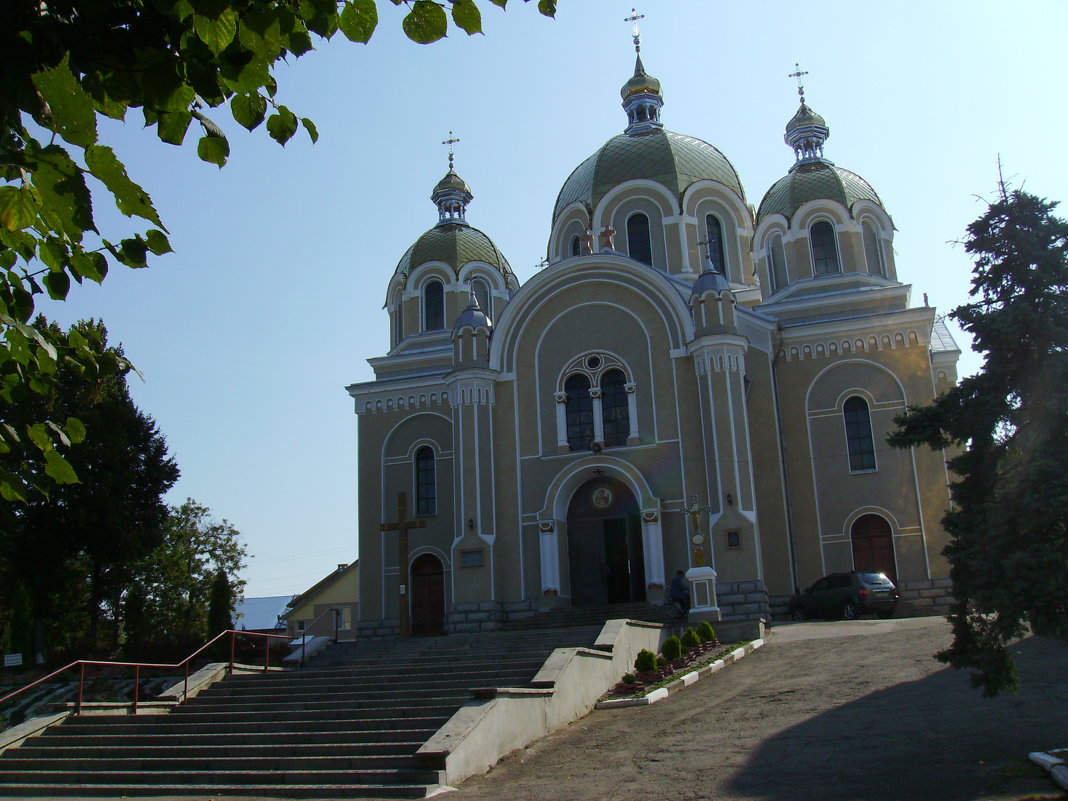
(605, 553)
(428, 595)
(873, 546)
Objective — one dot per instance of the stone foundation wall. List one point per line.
(386, 627)
(743, 600)
(474, 616)
(924, 597)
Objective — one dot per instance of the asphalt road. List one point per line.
(850, 711)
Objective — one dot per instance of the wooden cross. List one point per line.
(608, 234)
(402, 526)
(587, 242)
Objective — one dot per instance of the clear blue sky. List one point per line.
(272, 303)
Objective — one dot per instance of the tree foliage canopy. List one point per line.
(1008, 426)
(67, 63)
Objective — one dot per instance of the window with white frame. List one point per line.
(824, 249)
(873, 249)
(639, 239)
(859, 440)
(433, 306)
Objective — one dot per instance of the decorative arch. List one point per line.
(562, 488)
(871, 536)
(652, 191)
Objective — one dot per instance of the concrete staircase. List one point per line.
(346, 726)
(569, 617)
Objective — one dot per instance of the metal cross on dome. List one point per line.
(452, 140)
(634, 17)
(799, 74)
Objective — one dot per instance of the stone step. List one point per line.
(55, 737)
(222, 750)
(206, 762)
(238, 778)
(414, 699)
(200, 790)
(413, 710)
(312, 684)
(174, 725)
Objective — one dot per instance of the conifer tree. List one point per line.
(1008, 426)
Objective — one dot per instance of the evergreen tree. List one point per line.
(221, 604)
(1008, 426)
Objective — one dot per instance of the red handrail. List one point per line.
(81, 663)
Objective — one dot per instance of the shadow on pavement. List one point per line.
(937, 732)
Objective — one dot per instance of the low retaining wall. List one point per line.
(566, 688)
(743, 600)
(925, 597)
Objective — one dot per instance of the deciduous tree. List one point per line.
(1008, 425)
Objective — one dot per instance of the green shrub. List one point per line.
(645, 662)
(629, 678)
(672, 648)
(661, 662)
(706, 632)
(690, 638)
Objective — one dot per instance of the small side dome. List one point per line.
(710, 280)
(473, 316)
(817, 181)
(450, 183)
(640, 83)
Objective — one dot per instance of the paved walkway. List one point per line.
(825, 712)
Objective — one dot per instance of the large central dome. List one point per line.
(674, 160)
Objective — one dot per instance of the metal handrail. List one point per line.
(81, 663)
(304, 637)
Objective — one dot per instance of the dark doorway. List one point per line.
(605, 554)
(428, 595)
(873, 546)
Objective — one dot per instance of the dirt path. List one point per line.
(825, 711)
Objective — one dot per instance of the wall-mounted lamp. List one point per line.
(730, 499)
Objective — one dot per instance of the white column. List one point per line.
(653, 543)
(598, 420)
(550, 557)
(561, 422)
(632, 413)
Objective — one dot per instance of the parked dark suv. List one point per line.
(846, 595)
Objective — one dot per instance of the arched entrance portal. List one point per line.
(605, 545)
(873, 546)
(428, 595)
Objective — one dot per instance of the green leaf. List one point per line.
(173, 125)
(130, 198)
(38, 434)
(425, 23)
(358, 20)
(70, 110)
(158, 242)
(75, 430)
(89, 265)
(54, 254)
(57, 284)
(467, 16)
(59, 432)
(299, 42)
(282, 125)
(218, 32)
(248, 110)
(547, 7)
(165, 90)
(65, 199)
(499, 3)
(59, 469)
(309, 126)
(132, 252)
(17, 209)
(213, 149)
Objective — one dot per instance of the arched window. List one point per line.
(576, 245)
(433, 306)
(714, 230)
(639, 244)
(824, 249)
(859, 440)
(398, 318)
(777, 263)
(426, 486)
(615, 412)
(482, 294)
(873, 249)
(579, 413)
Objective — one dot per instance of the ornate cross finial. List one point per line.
(799, 74)
(634, 17)
(452, 140)
(701, 244)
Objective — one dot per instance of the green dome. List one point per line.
(805, 116)
(451, 181)
(639, 83)
(815, 181)
(671, 159)
(455, 244)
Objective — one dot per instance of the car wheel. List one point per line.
(798, 614)
(849, 611)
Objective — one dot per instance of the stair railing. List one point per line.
(80, 664)
(304, 638)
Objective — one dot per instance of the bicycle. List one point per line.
(670, 613)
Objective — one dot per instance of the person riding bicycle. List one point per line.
(680, 592)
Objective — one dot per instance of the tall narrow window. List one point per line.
(639, 244)
(579, 413)
(433, 306)
(873, 249)
(858, 434)
(426, 486)
(576, 245)
(398, 319)
(777, 263)
(824, 249)
(714, 230)
(614, 409)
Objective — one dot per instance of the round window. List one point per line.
(593, 362)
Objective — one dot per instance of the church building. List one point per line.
(691, 383)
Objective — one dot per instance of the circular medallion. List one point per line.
(698, 539)
(602, 497)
